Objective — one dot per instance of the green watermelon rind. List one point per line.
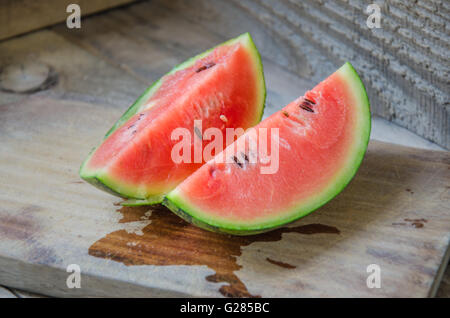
(179, 206)
(101, 181)
(157, 199)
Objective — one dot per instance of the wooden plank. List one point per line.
(394, 214)
(444, 287)
(21, 16)
(79, 74)
(6, 293)
(386, 131)
(25, 294)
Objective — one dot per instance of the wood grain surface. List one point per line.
(20, 16)
(394, 214)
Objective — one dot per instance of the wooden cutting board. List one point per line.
(395, 214)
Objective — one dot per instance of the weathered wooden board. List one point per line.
(20, 16)
(395, 213)
(6, 293)
(80, 75)
(444, 287)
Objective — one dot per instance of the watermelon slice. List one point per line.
(224, 87)
(322, 138)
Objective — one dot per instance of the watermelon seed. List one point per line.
(237, 161)
(131, 126)
(223, 118)
(306, 107)
(310, 101)
(205, 67)
(285, 113)
(245, 156)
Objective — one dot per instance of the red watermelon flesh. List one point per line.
(323, 136)
(223, 87)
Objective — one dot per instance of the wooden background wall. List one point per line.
(21, 16)
(404, 64)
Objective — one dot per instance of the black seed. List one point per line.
(237, 161)
(131, 126)
(200, 69)
(310, 101)
(205, 67)
(285, 113)
(245, 156)
(306, 107)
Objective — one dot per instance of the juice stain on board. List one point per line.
(169, 240)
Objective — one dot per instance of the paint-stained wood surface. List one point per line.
(394, 214)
